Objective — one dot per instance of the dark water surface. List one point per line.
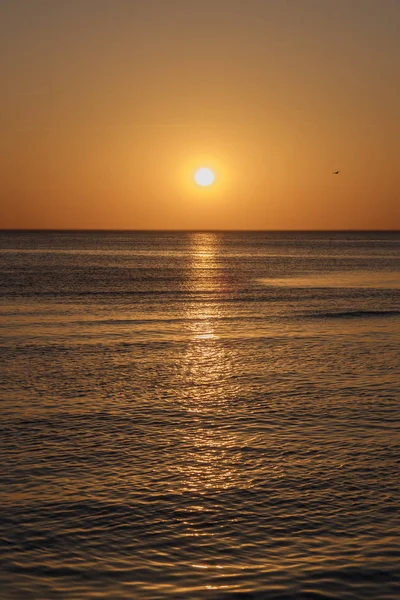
(200, 415)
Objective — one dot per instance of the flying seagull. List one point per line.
(335, 172)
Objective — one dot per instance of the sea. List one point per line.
(199, 415)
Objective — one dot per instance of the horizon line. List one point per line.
(208, 230)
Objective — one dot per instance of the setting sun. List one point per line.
(204, 177)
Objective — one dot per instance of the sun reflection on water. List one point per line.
(204, 379)
(203, 311)
(205, 363)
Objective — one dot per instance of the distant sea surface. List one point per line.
(199, 416)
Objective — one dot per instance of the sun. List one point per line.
(204, 177)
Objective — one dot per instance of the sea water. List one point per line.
(199, 415)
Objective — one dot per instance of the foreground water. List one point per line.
(200, 415)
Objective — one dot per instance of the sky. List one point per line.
(108, 107)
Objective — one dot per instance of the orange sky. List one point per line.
(108, 107)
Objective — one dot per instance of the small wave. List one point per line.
(352, 314)
(339, 279)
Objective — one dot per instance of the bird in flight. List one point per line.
(335, 172)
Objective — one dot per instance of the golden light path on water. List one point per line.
(210, 463)
(205, 368)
